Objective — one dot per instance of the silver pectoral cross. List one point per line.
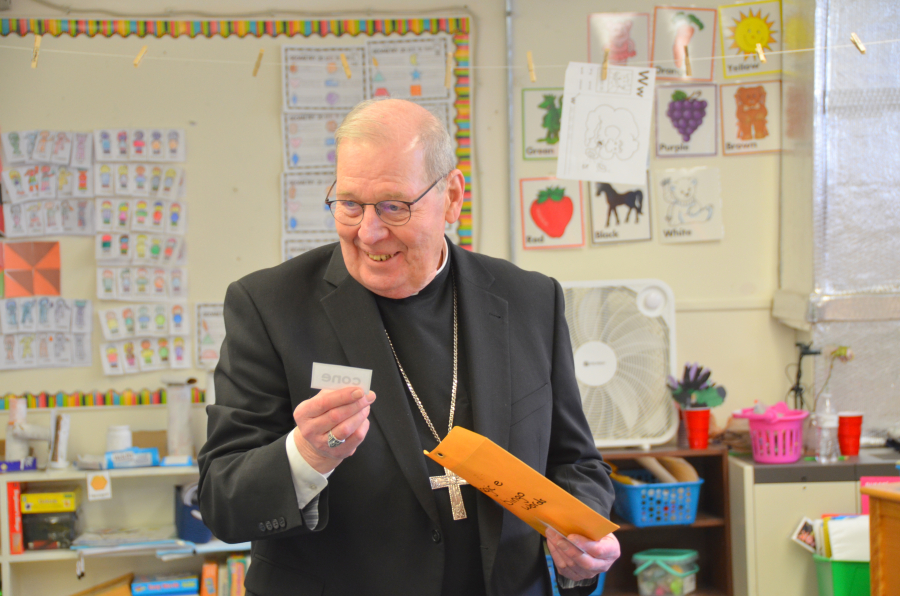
(453, 482)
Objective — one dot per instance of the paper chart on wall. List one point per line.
(303, 203)
(552, 213)
(296, 244)
(744, 26)
(619, 212)
(413, 69)
(314, 78)
(605, 127)
(541, 116)
(677, 28)
(689, 204)
(209, 334)
(625, 34)
(309, 140)
(751, 117)
(686, 120)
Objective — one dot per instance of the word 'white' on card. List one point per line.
(332, 376)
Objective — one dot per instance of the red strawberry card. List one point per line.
(552, 213)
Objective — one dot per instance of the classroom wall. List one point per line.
(723, 290)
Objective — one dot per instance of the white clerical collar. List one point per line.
(444, 264)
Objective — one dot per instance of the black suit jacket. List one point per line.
(379, 531)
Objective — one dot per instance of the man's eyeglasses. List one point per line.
(393, 213)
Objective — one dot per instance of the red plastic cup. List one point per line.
(697, 422)
(849, 429)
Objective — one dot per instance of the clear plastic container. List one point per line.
(666, 571)
(828, 450)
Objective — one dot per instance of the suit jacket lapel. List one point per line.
(354, 315)
(484, 328)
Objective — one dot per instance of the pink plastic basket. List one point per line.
(777, 434)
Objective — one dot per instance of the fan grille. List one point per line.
(634, 406)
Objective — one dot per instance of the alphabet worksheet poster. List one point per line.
(605, 129)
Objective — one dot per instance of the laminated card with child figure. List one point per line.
(513, 484)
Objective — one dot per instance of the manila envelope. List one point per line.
(515, 485)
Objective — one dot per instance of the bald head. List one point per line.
(401, 123)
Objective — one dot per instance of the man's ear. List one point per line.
(456, 187)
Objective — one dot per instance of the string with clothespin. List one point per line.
(346, 65)
(604, 70)
(36, 51)
(687, 63)
(448, 71)
(531, 74)
(140, 56)
(760, 53)
(258, 61)
(858, 43)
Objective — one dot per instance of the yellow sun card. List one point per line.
(751, 36)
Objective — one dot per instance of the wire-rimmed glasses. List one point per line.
(392, 212)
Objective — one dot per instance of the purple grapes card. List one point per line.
(686, 120)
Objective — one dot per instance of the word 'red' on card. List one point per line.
(512, 483)
(332, 376)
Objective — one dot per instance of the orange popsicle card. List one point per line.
(516, 486)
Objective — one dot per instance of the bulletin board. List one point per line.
(222, 83)
(747, 174)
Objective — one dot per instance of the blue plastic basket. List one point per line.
(656, 503)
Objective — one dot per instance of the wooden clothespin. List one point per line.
(858, 43)
(258, 61)
(605, 68)
(687, 63)
(760, 53)
(37, 50)
(140, 56)
(448, 71)
(531, 74)
(346, 65)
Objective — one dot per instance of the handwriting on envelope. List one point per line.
(513, 484)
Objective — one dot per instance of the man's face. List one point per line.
(393, 261)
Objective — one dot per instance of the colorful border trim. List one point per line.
(457, 27)
(128, 397)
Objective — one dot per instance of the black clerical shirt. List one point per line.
(421, 330)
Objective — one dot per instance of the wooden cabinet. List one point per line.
(709, 535)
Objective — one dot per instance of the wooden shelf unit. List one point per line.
(709, 535)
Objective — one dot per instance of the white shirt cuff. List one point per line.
(307, 482)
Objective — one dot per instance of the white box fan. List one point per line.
(623, 337)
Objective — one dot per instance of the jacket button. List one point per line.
(268, 525)
(262, 527)
(436, 536)
(281, 522)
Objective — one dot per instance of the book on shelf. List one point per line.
(16, 540)
(209, 579)
(181, 584)
(237, 571)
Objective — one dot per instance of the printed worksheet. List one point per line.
(303, 203)
(210, 332)
(297, 244)
(315, 79)
(413, 69)
(605, 128)
(309, 140)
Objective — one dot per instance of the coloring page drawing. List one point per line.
(689, 204)
(619, 212)
(605, 128)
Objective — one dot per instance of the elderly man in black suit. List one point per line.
(332, 486)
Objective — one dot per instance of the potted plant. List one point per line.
(695, 395)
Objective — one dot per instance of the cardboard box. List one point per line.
(51, 500)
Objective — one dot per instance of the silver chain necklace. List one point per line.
(449, 480)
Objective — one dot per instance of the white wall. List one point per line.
(723, 289)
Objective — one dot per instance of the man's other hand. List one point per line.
(343, 412)
(597, 558)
